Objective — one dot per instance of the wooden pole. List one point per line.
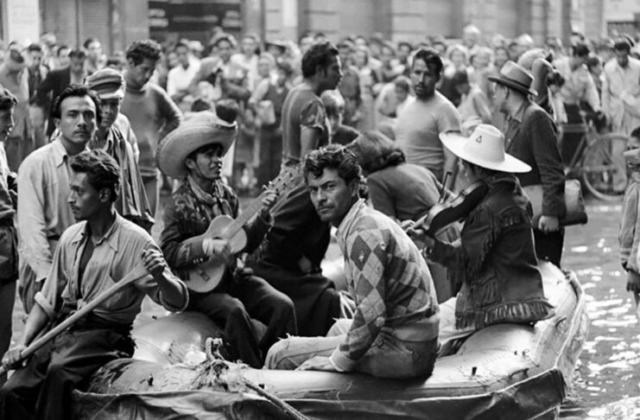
(137, 273)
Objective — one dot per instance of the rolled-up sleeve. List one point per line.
(32, 225)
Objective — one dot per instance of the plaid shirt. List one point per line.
(387, 277)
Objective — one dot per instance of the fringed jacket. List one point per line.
(497, 255)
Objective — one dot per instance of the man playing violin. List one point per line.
(496, 252)
(193, 153)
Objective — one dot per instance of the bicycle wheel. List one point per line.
(604, 171)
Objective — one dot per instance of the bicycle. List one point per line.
(598, 161)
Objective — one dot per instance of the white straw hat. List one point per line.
(202, 129)
(485, 148)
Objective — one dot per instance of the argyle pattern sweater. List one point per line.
(388, 279)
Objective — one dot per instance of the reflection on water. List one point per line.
(607, 375)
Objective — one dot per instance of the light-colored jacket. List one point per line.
(621, 83)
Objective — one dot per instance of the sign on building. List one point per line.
(193, 19)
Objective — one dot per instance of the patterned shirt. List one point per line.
(387, 277)
(190, 213)
(115, 255)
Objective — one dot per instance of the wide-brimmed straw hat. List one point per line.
(108, 83)
(515, 77)
(202, 129)
(485, 148)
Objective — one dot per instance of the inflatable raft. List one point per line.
(505, 371)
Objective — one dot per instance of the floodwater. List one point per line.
(607, 377)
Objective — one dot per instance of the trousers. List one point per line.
(388, 357)
(232, 305)
(42, 389)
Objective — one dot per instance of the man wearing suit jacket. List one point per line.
(57, 81)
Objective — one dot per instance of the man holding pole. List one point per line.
(91, 257)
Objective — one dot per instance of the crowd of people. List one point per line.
(90, 142)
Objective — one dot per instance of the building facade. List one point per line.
(119, 22)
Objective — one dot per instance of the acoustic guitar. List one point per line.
(207, 275)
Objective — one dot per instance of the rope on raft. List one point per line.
(219, 367)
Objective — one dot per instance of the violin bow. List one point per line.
(443, 190)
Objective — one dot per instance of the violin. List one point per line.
(442, 215)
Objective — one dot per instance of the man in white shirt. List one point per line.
(180, 77)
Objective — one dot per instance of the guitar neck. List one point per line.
(246, 215)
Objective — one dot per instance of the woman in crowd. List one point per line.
(402, 191)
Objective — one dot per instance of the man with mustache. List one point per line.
(43, 182)
(422, 121)
(193, 154)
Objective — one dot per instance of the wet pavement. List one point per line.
(607, 375)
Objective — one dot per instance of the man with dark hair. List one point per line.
(304, 120)
(62, 59)
(621, 88)
(8, 234)
(93, 254)
(43, 182)
(55, 82)
(394, 332)
(349, 85)
(180, 77)
(93, 49)
(531, 136)
(227, 78)
(14, 78)
(37, 72)
(578, 93)
(116, 137)
(150, 110)
(290, 257)
(422, 121)
(193, 153)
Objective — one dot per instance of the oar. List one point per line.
(137, 273)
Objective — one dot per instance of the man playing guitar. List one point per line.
(193, 153)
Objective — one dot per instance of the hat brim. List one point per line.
(455, 143)
(119, 94)
(515, 86)
(189, 137)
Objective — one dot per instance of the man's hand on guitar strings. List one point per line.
(217, 248)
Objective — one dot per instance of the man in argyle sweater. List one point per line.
(394, 333)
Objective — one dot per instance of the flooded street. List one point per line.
(608, 368)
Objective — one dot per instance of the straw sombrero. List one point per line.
(202, 129)
(485, 148)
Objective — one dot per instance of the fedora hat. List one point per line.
(485, 148)
(202, 129)
(515, 77)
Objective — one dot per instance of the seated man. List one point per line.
(289, 259)
(91, 255)
(193, 153)
(395, 327)
(496, 252)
